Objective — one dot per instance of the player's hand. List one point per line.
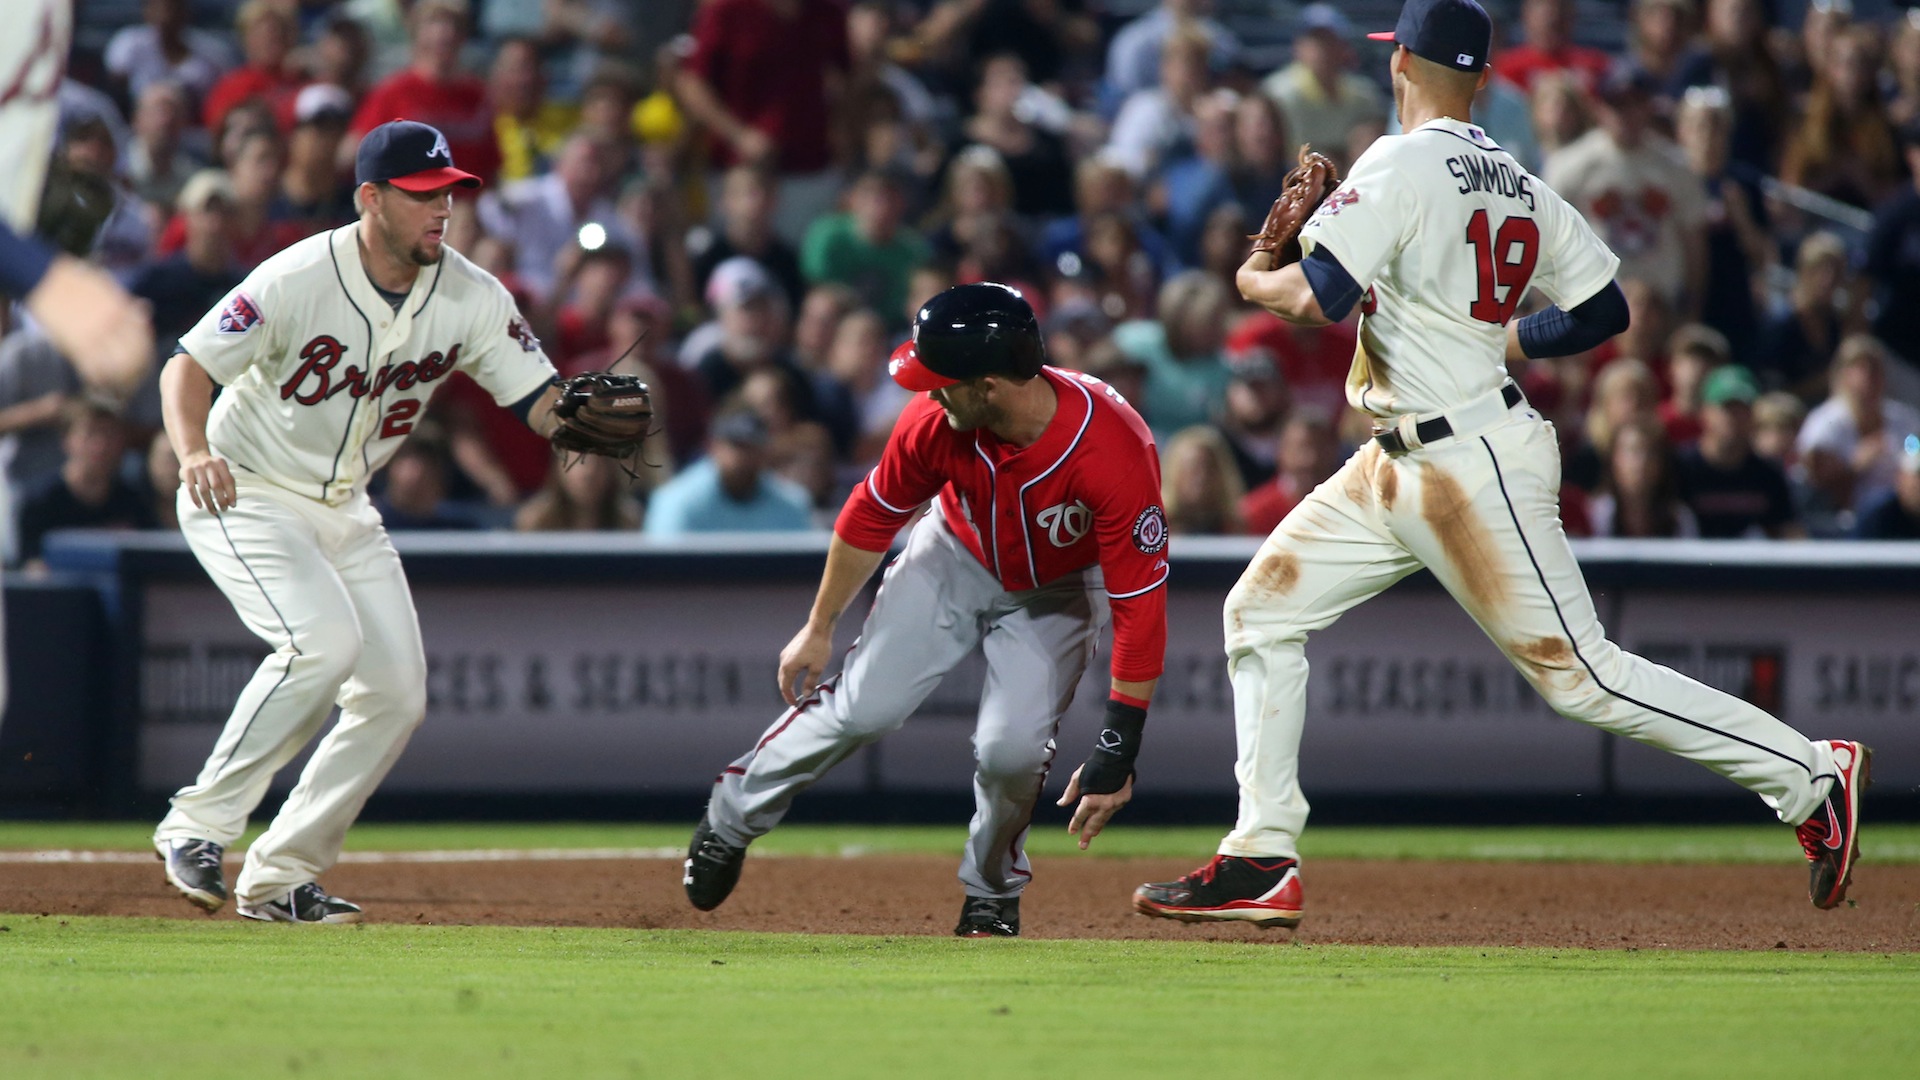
(804, 660)
(95, 324)
(208, 481)
(1094, 811)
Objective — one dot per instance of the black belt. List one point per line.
(1434, 430)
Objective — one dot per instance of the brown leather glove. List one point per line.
(603, 413)
(1306, 185)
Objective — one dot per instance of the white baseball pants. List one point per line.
(1481, 510)
(323, 586)
(935, 604)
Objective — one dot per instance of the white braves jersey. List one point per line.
(34, 35)
(1446, 232)
(324, 379)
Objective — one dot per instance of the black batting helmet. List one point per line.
(969, 331)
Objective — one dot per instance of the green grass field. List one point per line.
(208, 999)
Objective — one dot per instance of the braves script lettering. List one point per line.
(314, 381)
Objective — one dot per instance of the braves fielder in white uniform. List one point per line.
(1437, 234)
(326, 354)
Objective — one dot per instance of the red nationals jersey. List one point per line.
(1086, 493)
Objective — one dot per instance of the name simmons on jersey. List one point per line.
(1478, 173)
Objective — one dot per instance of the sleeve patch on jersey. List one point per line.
(1150, 531)
(240, 315)
(518, 329)
(1337, 201)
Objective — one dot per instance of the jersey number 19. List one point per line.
(1505, 261)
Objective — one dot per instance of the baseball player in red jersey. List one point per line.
(1436, 235)
(1049, 518)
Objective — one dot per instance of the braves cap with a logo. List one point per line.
(1452, 33)
(409, 155)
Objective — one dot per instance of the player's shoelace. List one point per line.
(1814, 831)
(716, 851)
(205, 856)
(1206, 874)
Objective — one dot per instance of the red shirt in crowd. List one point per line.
(1313, 360)
(1086, 493)
(1522, 64)
(249, 251)
(1263, 508)
(277, 88)
(771, 71)
(457, 106)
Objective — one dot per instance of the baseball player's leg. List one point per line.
(266, 557)
(1036, 653)
(381, 702)
(925, 618)
(1331, 553)
(1500, 550)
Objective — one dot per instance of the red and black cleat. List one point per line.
(1265, 892)
(1831, 836)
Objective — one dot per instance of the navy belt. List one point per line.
(1432, 431)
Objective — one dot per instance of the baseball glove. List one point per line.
(1301, 193)
(603, 413)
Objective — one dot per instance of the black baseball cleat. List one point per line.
(1265, 892)
(193, 867)
(307, 903)
(1831, 836)
(983, 916)
(713, 868)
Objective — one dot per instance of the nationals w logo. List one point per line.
(1065, 523)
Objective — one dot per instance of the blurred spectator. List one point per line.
(529, 126)
(858, 360)
(870, 37)
(1733, 491)
(88, 159)
(312, 187)
(160, 159)
(1851, 443)
(1903, 62)
(88, 492)
(1777, 417)
(1263, 152)
(1843, 146)
(798, 450)
(1632, 184)
(1223, 243)
(341, 53)
(1798, 343)
(763, 79)
(267, 36)
(1201, 490)
(1036, 159)
(749, 196)
(607, 104)
(163, 48)
(181, 287)
(587, 494)
(163, 481)
(1307, 455)
(36, 386)
(881, 134)
(869, 248)
(260, 225)
(544, 217)
(1561, 112)
(820, 316)
(1193, 184)
(1693, 352)
(730, 490)
(1187, 373)
(1624, 393)
(1255, 413)
(1047, 35)
(589, 287)
(1323, 97)
(1893, 249)
(750, 332)
(415, 492)
(1737, 242)
(1133, 56)
(651, 211)
(1744, 65)
(434, 89)
(1549, 48)
(1103, 187)
(1803, 53)
(1639, 491)
(1660, 42)
(1154, 122)
(1313, 360)
(1896, 515)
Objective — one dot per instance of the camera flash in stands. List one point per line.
(593, 236)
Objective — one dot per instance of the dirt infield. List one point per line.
(1353, 902)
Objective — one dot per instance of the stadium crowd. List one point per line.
(759, 193)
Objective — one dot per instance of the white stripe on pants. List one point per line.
(1482, 512)
(935, 604)
(323, 586)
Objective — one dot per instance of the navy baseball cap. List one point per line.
(1452, 33)
(409, 155)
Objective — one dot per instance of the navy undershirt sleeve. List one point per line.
(1553, 332)
(1332, 286)
(524, 407)
(23, 262)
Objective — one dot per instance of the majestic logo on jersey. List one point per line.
(1150, 531)
(315, 381)
(440, 151)
(1065, 523)
(1336, 202)
(518, 329)
(240, 315)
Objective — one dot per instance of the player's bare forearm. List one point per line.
(1284, 291)
(186, 398)
(848, 570)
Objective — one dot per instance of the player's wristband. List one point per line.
(1110, 765)
(23, 262)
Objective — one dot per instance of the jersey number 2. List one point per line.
(1505, 260)
(399, 418)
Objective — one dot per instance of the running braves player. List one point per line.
(1437, 234)
(1049, 516)
(326, 353)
